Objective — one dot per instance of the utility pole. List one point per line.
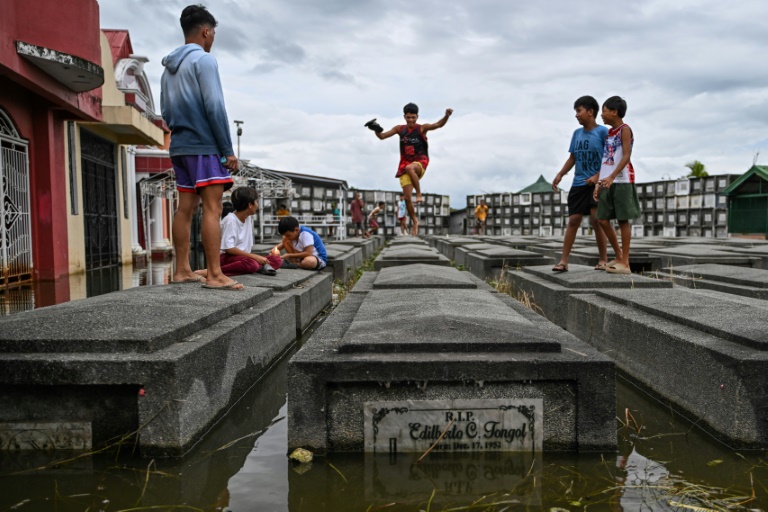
(239, 133)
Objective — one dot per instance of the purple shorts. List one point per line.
(196, 171)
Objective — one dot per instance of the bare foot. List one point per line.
(224, 281)
(185, 277)
(419, 198)
(415, 228)
(203, 272)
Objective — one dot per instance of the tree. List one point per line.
(698, 170)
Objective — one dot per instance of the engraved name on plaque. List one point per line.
(460, 425)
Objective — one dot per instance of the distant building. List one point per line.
(684, 207)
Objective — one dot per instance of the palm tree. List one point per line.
(697, 170)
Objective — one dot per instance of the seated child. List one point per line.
(374, 226)
(237, 239)
(301, 244)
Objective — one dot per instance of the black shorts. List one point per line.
(581, 200)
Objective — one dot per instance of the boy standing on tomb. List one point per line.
(616, 192)
(586, 152)
(414, 154)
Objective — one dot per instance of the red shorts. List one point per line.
(373, 224)
(403, 163)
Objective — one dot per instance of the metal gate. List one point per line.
(15, 218)
(100, 215)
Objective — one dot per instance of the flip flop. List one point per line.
(231, 286)
(618, 268)
(560, 267)
(197, 279)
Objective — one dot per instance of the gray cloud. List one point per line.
(691, 71)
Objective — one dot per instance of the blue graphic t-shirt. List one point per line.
(587, 150)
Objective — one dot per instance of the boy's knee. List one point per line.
(250, 265)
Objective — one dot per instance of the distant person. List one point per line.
(237, 239)
(414, 154)
(372, 224)
(586, 152)
(283, 211)
(616, 193)
(336, 214)
(192, 103)
(401, 215)
(356, 207)
(302, 246)
(481, 213)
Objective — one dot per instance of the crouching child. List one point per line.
(237, 239)
(302, 246)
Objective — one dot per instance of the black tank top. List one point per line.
(413, 144)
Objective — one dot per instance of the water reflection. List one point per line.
(241, 463)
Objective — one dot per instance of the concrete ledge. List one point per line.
(747, 282)
(549, 291)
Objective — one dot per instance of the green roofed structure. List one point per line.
(541, 185)
(748, 202)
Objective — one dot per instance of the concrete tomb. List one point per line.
(489, 263)
(164, 360)
(692, 254)
(395, 366)
(702, 351)
(405, 254)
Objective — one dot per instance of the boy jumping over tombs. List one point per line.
(414, 154)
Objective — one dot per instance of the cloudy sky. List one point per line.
(305, 75)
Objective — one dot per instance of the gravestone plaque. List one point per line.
(468, 425)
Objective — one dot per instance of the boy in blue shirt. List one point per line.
(586, 153)
(301, 244)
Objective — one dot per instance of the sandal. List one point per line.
(618, 268)
(560, 267)
(601, 266)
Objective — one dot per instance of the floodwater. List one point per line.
(663, 462)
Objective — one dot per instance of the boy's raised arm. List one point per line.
(387, 134)
(434, 126)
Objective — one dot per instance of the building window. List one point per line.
(682, 187)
